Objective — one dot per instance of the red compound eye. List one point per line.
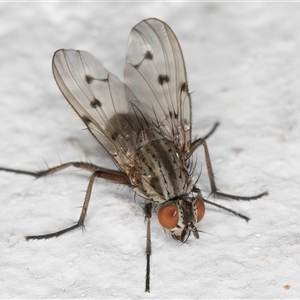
(168, 216)
(200, 209)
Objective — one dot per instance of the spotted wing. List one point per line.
(155, 72)
(99, 98)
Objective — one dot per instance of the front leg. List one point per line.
(115, 176)
(148, 215)
(111, 175)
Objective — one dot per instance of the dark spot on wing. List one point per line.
(86, 120)
(89, 79)
(95, 103)
(114, 136)
(148, 55)
(184, 87)
(173, 115)
(163, 79)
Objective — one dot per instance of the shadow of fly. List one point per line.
(145, 125)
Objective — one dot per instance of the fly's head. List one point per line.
(180, 216)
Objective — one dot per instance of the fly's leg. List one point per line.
(201, 142)
(81, 165)
(211, 131)
(148, 214)
(195, 146)
(115, 176)
(227, 209)
(111, 175)
(80, 221)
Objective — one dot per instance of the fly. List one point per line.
(145, 125)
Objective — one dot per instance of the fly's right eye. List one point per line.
(168, 216)
(200, 209)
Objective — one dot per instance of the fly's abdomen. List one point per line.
(162, 168)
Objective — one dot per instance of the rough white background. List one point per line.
(244, 71)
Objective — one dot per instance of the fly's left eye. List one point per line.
(168, 216)
(200, 209)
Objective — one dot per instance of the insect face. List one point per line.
(180, 216)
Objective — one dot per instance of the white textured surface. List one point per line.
(244, 68)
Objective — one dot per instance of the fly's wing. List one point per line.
(99, 98)
(155, 72)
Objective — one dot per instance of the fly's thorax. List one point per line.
(180, 216)
(163, 171)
